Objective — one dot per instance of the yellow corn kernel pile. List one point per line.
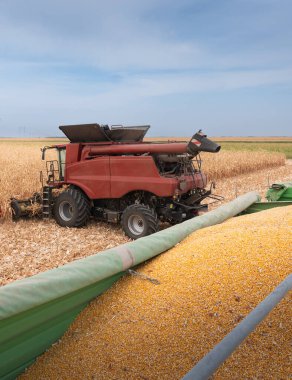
(208, 284)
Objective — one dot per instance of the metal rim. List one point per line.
(66, 211)
(136, 224)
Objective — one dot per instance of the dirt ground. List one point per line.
(29, 247)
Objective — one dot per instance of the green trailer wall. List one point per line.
(36, 311)
(262, 206)
(281, 192)
(278, 195)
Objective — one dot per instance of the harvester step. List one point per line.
(47, 202)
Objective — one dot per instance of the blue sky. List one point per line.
(221, 65)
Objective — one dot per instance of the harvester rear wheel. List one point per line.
(139, 220)
(72, 208)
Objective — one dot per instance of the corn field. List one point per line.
(231, 164)
(21, 163)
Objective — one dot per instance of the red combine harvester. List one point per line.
(111, 174)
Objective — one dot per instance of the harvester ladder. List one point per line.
(47, 202)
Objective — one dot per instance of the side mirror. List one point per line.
(43, 150)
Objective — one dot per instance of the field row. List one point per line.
(278, 147)
(227, 164)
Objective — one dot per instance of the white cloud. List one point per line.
(63, 93)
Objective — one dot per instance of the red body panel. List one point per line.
(138, 173)
(109, 176)
(92, 176)
(73, 153)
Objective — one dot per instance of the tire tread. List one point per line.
(148, 213)
(82, 204)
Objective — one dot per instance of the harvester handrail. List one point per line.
(210, 362)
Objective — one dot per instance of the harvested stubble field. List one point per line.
(208, 284)
(32, 246)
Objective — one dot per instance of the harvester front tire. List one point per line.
(72, 208)
(139, 221)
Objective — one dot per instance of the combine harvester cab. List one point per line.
(113, 175)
